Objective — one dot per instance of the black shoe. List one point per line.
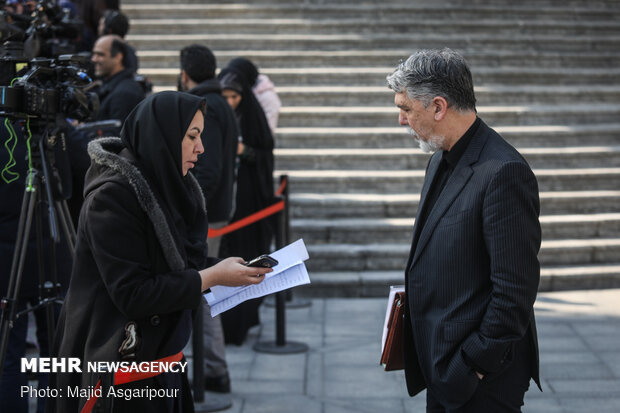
(220, 384)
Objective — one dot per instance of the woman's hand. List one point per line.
(233, 273)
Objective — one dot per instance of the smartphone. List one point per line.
(262, 261)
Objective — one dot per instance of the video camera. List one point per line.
(39, 77)
(42, 88)
(47, 88)
(47, 92)
(41, 85)
(47, 30)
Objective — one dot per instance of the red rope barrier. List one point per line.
(282, 186)
(250, 219)
(121, 377)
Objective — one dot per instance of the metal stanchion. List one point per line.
(280, 345)
(198, 354)
(290, 300)
(214, 402)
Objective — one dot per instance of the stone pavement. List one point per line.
(579, 337)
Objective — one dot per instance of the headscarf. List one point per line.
(246, 67)
(153, 133)
(252, 122)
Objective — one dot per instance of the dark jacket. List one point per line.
(254, 193)
(133, 63)
(473, 277)
(118, 96)
(127, 268)
(215, 169)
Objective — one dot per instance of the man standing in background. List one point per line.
(120, 93)
(215, 172)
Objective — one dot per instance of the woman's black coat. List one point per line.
(123, 242)
(254, 193)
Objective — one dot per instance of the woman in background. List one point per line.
(262, 87)
(254, 192)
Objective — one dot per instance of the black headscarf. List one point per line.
(255, 174)
(246, 67)
(153, 133)
(252, 121)
(254, 190)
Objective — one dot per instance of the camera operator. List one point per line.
(120, 93)
(12, 193)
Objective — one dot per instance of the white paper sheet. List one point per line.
(393, 290)
(290, 272)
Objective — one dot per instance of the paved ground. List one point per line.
(579, 333)
(579, 337)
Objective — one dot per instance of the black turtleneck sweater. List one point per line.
(449, 160)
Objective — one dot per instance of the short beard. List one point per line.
(434, 144)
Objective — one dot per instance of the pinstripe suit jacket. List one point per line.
(472, 279)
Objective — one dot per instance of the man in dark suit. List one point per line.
(473, 272)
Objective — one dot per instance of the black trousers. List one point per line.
(497, 393)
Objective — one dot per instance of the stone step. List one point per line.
(375, 76)
(485, 95)
(393, 257)
(268, 58)
(458, 12)
(383, 116)
(376, 283)
(400, 230)
(403, 3)
(410, 24)
(414, 158)
(390, 182)
(320, 205)
(531, 60)
(473, 41)
(397, 137)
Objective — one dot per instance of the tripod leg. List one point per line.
(17, 267)
(23, 231)
(67, 224)
(46, 288)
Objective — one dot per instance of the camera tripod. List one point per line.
(38, 191)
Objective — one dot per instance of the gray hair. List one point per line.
(430, 73)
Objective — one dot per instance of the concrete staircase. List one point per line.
(547, 77)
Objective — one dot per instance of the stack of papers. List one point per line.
(290, 272)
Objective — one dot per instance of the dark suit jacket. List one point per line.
(472, 280)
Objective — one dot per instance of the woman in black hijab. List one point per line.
(141, 260)
(254, 189)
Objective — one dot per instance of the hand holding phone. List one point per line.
(262, 261)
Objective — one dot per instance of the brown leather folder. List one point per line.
(392, 357)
